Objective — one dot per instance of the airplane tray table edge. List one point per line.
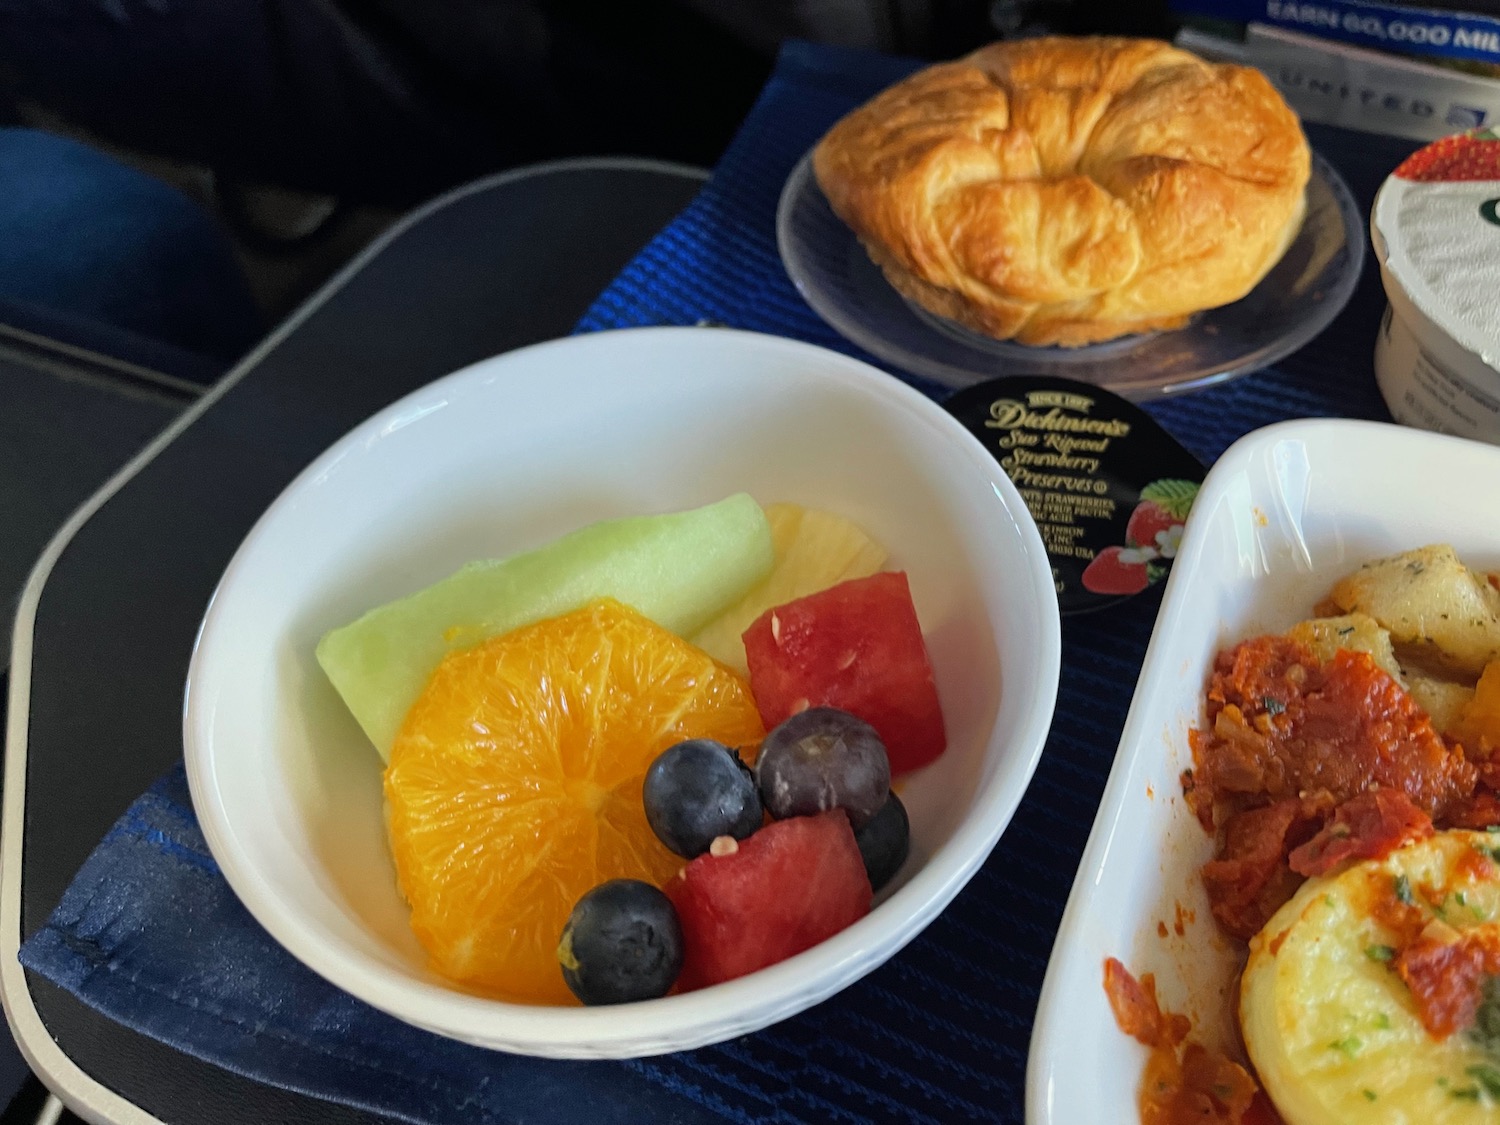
(538, 244)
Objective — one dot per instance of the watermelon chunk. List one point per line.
(789, 886)
(856, 646)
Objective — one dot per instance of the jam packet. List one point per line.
(1109, 488)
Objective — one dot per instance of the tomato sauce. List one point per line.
(1369, 825)
(1311, 764)
(1251, 877)
(1136, 1009)
(1443, 968)
(1446, 977)
(1199, 1087)
(1478, 811)
(1305, 766)
(1282, 725)
(1184, 1083)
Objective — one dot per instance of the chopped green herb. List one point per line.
(1346, 631)
(1328, 901)
(1272, 706)
(1473, 908)
(1222, 1091)
(1442, 1082)
(1488, 1076)
(1465, 1093)
(1370, 1095)
(1383, 1021)
(1351, 1045)
(1486, 1029)
(1403, 890)
(1379, 952)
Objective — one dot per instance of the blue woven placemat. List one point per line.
(150, 934)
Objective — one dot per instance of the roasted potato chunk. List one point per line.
(1356, 632)
(1440, 614)
(1443, 700)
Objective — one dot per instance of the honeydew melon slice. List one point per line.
(680, 569)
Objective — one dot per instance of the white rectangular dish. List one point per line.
(1285, 512)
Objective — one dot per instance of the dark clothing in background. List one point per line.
(393, 100)
(101, 256)
(381, 100)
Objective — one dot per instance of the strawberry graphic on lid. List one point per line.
(1152, 534)
(1474, 155)
(1118, 570)
(1164, 505)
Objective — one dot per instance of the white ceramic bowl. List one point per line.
(502, 457)
(1283, 514)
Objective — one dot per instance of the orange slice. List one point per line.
(514, 785)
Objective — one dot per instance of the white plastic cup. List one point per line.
(1437, 356)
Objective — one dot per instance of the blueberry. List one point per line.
(697, 791)
(884, 841)
(822, 759)
(621, 943)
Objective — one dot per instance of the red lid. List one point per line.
(1474, 155)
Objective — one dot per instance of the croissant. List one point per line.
(1064, 191)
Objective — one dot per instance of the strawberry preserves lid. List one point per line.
(1436, 228)
(1108, 487)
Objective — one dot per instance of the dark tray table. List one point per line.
(107, 620)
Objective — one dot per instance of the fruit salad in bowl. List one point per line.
(623, 694)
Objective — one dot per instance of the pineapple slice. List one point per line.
(814, 550)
